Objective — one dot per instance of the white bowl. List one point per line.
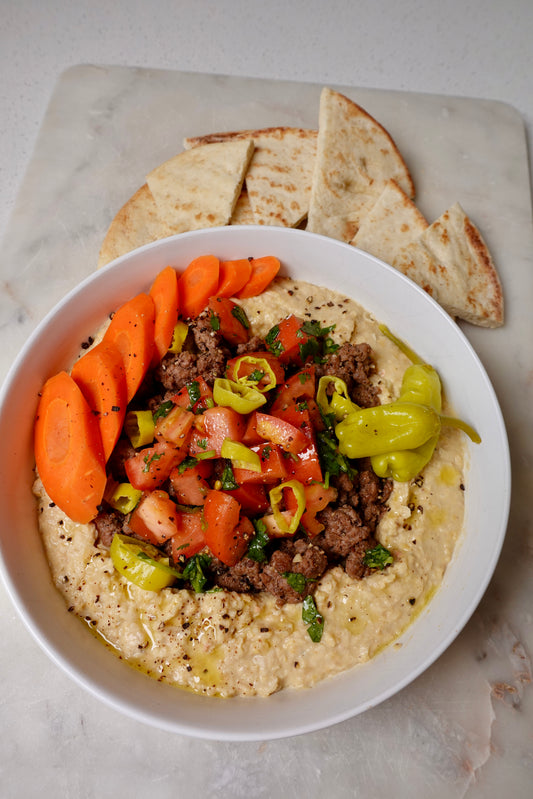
(394, 300)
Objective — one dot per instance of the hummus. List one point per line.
(231, 644)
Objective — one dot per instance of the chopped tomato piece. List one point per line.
(273, 466)
(150, 467)
(299, 387)
(232, 321)
(155, 518)
(190, 539)
(305, 467)
(281, 432)
(289, 341)
(250, 435)
(175, 426)
(317, 497)
(237, 368)
(196, 395)
(226, 534)
(215, 425)
(252, 497)
(190, 486)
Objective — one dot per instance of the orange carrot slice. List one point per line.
(264, 270)
(164, 293)
(233, 276)
(132, 332)
(101, 376)
(68, 449)
(197, 284)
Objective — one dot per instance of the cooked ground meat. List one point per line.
(292, 565)
(108, 523)
(176, 369)
(354, 364)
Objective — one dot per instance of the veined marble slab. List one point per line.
(457, 727)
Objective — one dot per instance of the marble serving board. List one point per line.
(104, 130)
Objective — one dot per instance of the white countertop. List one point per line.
(59, 741)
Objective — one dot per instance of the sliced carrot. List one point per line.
(68, 449)
(197, 283)
(164, 293)
(101, 376)
(233, 276)
(264, 270)
(132, 332)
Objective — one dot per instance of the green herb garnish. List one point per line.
(214, 321)
(194, 572)
(378, 557)
(227, 478)
(149, 460)
(163, 410)
(296, 580)
(312, 617)
(240, 315)
(271, 340)
(256, 549)
(193, 390)
(313, 328)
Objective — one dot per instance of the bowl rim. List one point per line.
(110, 697)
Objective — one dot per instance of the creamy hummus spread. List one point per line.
(232, 644)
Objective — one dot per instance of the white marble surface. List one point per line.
(465, 728)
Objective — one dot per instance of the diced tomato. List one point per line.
(289, 341)
(175, 426)
(155, 518)
(273, 466)
(250, 435)
(317, 497)
(280, 432)
(232, 322)
(226, 534)
(246, 368)
(196, 395)
(306, 467)
(150, 467)
(252, 497)
(190, 486)
(299, 387)
(190, 539)
(215, 425)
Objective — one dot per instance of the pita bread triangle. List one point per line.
(355, 158)
(137, 223)
(451, 262)
(279, 176)
(199, 188)
(390, 224)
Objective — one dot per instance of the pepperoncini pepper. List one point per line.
(238, 396)
(339, 404)
(400, 437)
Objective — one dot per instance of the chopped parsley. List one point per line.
(256, 375)
(296, 580)
(194, 571)
(149, 460)
(273, 344)
(378, 557)
(227, 477)
(214, 321)
(332, 461)
(240, 315)
(312, 617)
(193, 390)
(163, 410)
(256, 549)
(188, 463)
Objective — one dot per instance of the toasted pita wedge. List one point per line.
(451, 262)
(390, 224)
(278, 180)
(242, 213)
(136, 223)
(199, 188)
(355, 158)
